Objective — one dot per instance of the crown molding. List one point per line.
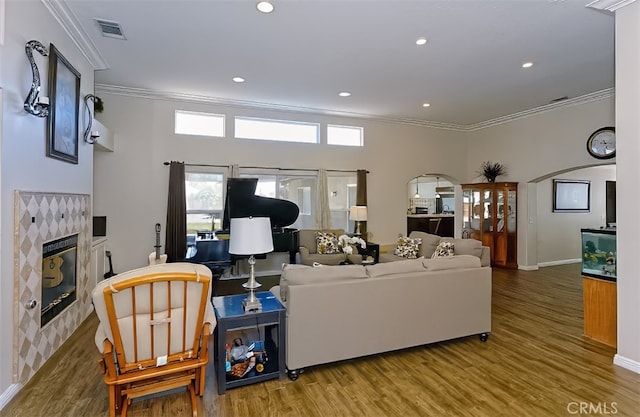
(587, 98)
(71, 25)
(193, 98)
(609, 5)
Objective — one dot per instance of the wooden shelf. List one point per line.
(600, 310)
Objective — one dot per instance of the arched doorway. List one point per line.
(553, 238)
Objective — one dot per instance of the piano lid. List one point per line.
(241, 201)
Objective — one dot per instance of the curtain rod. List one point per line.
(273, 168)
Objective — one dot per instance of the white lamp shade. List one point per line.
(358, 213)
(250, 236)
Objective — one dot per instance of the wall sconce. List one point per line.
(90, 137)
(37, 106)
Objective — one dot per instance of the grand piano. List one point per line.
(241, 201)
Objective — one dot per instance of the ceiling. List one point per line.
(300, 56)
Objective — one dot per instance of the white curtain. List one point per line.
(322, 213)
(234, 171)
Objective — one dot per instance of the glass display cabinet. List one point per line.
(489, 213)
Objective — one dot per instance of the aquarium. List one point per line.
(599, 253)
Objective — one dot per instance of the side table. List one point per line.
(372, 249)
(231, 317)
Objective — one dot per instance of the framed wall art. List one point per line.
(571, 196)
(64, 97)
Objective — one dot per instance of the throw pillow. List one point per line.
(327, 243)
(466, 246)
(407, 247)
(444, 249)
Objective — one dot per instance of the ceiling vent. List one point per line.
(110, 29)
(559, 99)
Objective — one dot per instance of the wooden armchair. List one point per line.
(153, 333)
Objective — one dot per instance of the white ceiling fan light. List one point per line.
(265, 6)
(528, 64)
(421, 41)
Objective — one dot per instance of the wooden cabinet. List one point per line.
(600, 310)
(489, 213)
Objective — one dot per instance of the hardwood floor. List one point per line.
(535, 363)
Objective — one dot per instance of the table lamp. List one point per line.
(250, 236)
(358, 214)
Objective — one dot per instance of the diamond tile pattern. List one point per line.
(39, 218)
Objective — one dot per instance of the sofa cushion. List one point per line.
(452, 262)
(397, 267)
(429, 242)
(466, 246)
(444, 249)
(325, 273)
(407, 247)
(327, 243)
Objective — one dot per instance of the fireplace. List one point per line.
(59, 269)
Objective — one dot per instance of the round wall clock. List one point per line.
(602, 143)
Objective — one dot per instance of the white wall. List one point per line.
(628, 198)
(559, 233)
(23, 162)
(534, 147)
(131, 183)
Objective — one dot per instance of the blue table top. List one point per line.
(231, 305)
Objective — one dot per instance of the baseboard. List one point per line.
(8, 394)
(626, 363)
(560, 262)
(528, 267)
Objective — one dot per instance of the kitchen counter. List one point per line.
(435, 224)
(430, 215)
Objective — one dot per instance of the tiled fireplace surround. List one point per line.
(39, 218)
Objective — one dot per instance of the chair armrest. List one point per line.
(100, 337)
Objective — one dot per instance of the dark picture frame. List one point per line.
(571, 196)
(64, 98)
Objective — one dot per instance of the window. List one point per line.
(342, 195)
(299, 189)
(202, 124)
(304, 200)
(277, 130)
(205, 201)
(345, 135)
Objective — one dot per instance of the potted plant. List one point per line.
(491, 170)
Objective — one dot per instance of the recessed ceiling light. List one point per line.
(238, 79)
(426, 104)
(527, 65)
(344, 94)
(265, 6)
(421, 41)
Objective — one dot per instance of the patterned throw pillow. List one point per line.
(327, 243)
(444, 249)
(408, 247)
